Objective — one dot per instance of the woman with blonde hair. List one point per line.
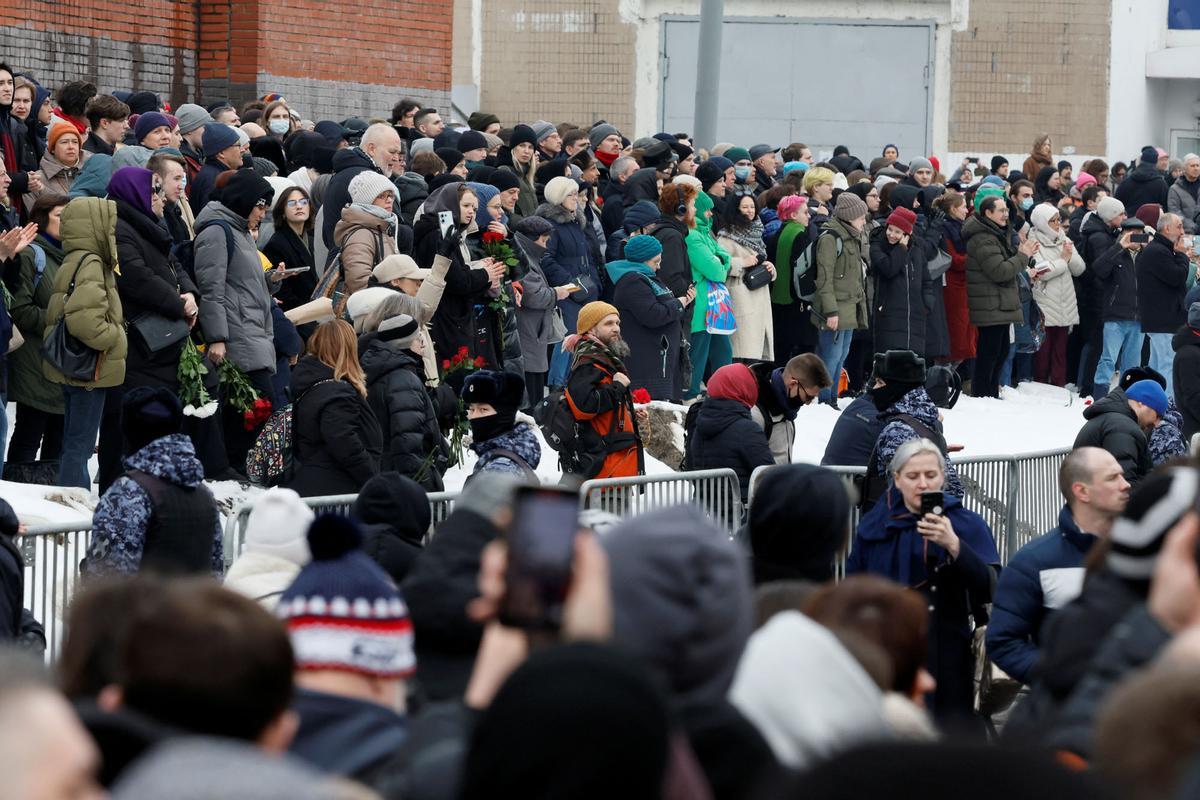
(337, 442)
(818, 185)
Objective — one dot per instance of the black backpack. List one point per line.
(689, 427)
(944, 385)
(563, 433)
(874, 484)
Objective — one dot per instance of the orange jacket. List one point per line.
(607, 407)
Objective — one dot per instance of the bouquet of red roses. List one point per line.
(461, 362)
(241, 395)
(641, 397)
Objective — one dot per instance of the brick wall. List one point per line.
(331, 59)
(1026, 66)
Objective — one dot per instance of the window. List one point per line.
(1183, 15)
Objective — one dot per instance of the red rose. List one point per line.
(492, 237)
(446, 363)
(641, 397)
(479, 362)
(462, 351)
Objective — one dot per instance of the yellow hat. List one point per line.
(591, 315)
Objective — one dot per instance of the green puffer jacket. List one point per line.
(841, 285)
(93, 310)
(992, 267)
(27, 384)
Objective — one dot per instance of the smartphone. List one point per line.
(541, 543)
(292, 270)
(933, 503)
(973, 160)
(445, 221)
(1140, 238)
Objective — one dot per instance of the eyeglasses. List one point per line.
(298, 202)
(261, 204)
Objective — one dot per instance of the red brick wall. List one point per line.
(329, 58)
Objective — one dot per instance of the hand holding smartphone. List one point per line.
(541, 543)
(933, 503)
(445, 222)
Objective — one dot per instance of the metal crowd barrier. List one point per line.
(717, 491)
(52, 554)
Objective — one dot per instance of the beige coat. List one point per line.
(1055, 291)
(56, 177)
(359, 233)
(755, 335)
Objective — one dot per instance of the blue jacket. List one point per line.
(1042, 576)
(854, 435)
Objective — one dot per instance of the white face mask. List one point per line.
(279, 126)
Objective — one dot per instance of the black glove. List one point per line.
(450, 242)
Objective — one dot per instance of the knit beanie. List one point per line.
(422, 145)
(148, 414)
(278, 526)
(795, 166)
(902, 218)
(149, 122)
(1084, 180)
(998, 162)
(59, 130)
(343, 612)
(364, 301)
(688, 180)
(480, 120)
(601, 132)
(471, 140)
(789, 205)
(778, 553)
(1109, 208)
(1149, 393)
(522, 134)
(919, 163)
(642, 248)
(542, 129)
(368, 185)
(192, 116)
(984, 192)
(734, 382)
(504, 180)
(709, 173)
(736, 154)
(559, 188)
(1149, 155)
(591, 315)
(217, 137)
(849, 207)
(493, 142)
(450, 156)
(1194, 316)
(1149, 214)
(143, 102)
(1157, 503)
(536, 226)
(639, 215)
(400, 330)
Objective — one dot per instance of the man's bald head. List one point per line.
(382, 145)
(1092, 476)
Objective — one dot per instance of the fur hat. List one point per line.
(900, 366)
(501, 390)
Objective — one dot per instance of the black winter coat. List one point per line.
(412, 442)
(149, 283)
(1095, 239)
(1186, 372)
(1161, 284)
(903, 295)
(612, 217)
(676, 269)
(1114, 275)
(726, 436)
(337, 441)
(1144, 184)
(1112, 425)
(201, 188)
(286, 247)
(854, 434)
(12, 589)
(569, 255)
(453, 325)
(347, 164)
(650, 317)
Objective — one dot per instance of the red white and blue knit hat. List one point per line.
(343, 612)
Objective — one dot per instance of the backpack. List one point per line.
(804, 268)
(562, 432)
(689, 426)
(500, 452)
(943, 385)
(185, 252)
(270, 461)
(333, 280)
(39, 264)
(874, 484)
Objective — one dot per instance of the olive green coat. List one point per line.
(993, 264)
(841, 284)
(93, 310)
(27, 383)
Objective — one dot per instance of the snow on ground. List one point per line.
(1030, 418)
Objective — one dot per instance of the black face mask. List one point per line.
(885, 396)
(485, 428)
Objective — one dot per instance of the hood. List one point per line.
(1185, 337)
(92, 180)
(556, 214)
(903, 196)
(308, 371)
(352, 157)
(533, 251)
(703, 222)
(1144, 173)
(681, 600)
(916, 403)
(520, 440)
(717, 414)
(394, 500)
(343, 735)
(355, 217)
(805, 693)
(444, 198)
(148, 227)
(411, 186)
(214, 210)
(379, 358)
(1115, 402)
(90, 224)
(619, 269)
(171, 458)
(798, 523)
(641, 185)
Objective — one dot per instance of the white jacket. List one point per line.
(1055, 291)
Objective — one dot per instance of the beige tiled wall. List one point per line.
(1025, 66)
(461, 69)
(561, 60)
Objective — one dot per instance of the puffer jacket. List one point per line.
(1112, 425)
(903, 295)
(568, 257)
(896, 432)
(841, 287)
(365, 241)
(412, 443)
(236, 307)
(1114, 280)
(1055, 290)
(27, 384)
(122, 517)
(725, 436)
(93, 310)
(992, 266)
(337, 438)
(520, 440)
(56, 176)
(1182, 202)
(1162, 276)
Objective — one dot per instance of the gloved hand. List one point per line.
(450, 242)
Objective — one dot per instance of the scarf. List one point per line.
(953, 230)
(781, 289)
(379, 213)
(619, 269)
(749, 237)
(587, 349)
(58, 114)
(8, 144)
(607, 159)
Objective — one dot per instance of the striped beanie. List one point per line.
(1157, 503)
(343, 612)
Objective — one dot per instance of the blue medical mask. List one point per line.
(279, 126)
(1027, 204)
(741, 173)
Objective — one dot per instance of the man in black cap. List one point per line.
(765, 166)
(1000, 167)
(510, 189)
(1144, 184)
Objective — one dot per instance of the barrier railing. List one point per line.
(52, 554)
(717, 491)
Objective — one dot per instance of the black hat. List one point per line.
(397, 501)
(709, 173)
(500, 390)
(302, 149)
(900, 366)
(658, 155)
(778, 553)
(447, 138)
(148, 414)
(471, 140)
(533, 226)
(334, 132)
(438, 181)
(449, 156)
(244, 190)
(1134, 374)
(522, 134)
(9, 524)
(998, 162)
(143, 103)
(504, 180)
(481, 174)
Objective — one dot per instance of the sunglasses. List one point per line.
(299, 202)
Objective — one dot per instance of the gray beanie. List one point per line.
(191, 117)
(849, 207)
(424, 145)
(542, 129)
(1109, 208)
(919, 163)
(601, 132)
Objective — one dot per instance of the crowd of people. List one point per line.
(326, 308)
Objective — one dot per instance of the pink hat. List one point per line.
(1084, 180)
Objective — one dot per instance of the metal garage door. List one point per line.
(824, 83)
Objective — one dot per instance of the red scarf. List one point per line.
(58, 112)
(607, 159)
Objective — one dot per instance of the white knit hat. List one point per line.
(368, 185)
(559, 188)
(278, 526)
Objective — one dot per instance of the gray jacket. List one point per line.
(237, 302)
(1179, 201)
(535, 316)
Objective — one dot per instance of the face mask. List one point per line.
(1027, 204)
(279, 126)
(183, 182)
(485, 428)
(741, 173)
